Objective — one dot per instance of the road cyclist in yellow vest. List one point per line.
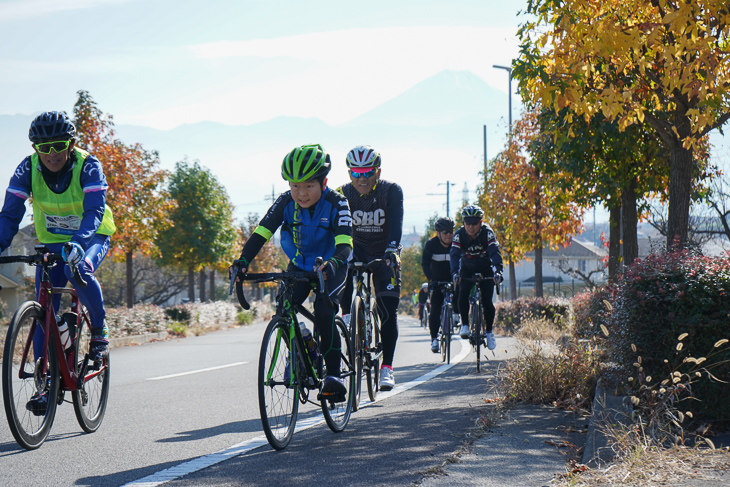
(68, 190)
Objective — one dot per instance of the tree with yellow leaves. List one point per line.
(530, 208)
(665, 63)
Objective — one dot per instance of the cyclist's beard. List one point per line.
(443, 243)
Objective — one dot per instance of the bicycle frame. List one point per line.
(363, 277)
(70, 380)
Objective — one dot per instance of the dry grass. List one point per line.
(653, 466)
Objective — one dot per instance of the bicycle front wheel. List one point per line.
(26, 377)
(357, 337)
(477, 327)
(337, 414)
(91, 398)
(374, 354)
(446, 335)
(278, 384)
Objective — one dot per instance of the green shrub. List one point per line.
(511, 315)
(245, 317)
(178, 313)
(663, 297)
(177, 328)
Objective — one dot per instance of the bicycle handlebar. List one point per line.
(43, 257)
(302, 276)
(370, 266)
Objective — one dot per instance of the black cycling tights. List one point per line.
(388, 311)
(487, 288)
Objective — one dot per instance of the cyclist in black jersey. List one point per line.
(475, 250)
(377, 226)
(315, 222)
(436, 265)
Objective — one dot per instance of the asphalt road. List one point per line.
(185, 412)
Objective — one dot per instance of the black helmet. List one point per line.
(444, 224)
(51, 126)
(305, 163)
(472, 211)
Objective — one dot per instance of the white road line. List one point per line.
(197, 371)
(206, 461)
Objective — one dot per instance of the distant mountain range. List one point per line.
(431, 133)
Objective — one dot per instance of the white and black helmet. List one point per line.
(363, 156)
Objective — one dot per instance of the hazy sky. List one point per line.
(162, 63)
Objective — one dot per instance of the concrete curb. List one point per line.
(137, 339)
(608, 410)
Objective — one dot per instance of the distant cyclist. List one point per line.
(377, 227)
(315, 222)
(422, 299)
(436, 265)
(475, 250)
(67, 188)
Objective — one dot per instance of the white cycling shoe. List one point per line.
(464, 333)
(491, 341)
(387, 381)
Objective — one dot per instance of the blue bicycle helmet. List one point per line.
(50, 126)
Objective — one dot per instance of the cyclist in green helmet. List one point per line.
(315, 222)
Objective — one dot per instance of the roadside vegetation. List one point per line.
(658, 336)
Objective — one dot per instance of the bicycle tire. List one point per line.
(337, 414)
(446, 335)
(278, 392)
(477, 325)
(91, 398)
(373, 371)
(357, 338)
(29, 430)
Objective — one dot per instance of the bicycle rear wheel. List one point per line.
(23, 377)
(277, 384)
(337, 414)
(91, 398)
(375, 354)
(357, 339)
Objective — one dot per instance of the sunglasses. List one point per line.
(447, 232)
(47, 147)
(358, 175)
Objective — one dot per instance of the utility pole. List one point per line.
(485, 148)
(448, 185)
(509, 93)
(272, 197)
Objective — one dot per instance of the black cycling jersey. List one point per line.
(480, 254)
(377, 218)
(436, 262)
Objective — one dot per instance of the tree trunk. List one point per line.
(614, 242)
(191, 284)
(130, 279)
(538, 270)
(680, 187)
(202, 284)
(212, 284)
(629, 220)
(512, 278)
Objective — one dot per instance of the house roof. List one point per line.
(576, 249)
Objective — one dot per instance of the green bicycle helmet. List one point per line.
(305, 163)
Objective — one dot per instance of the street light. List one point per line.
(509, 93)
